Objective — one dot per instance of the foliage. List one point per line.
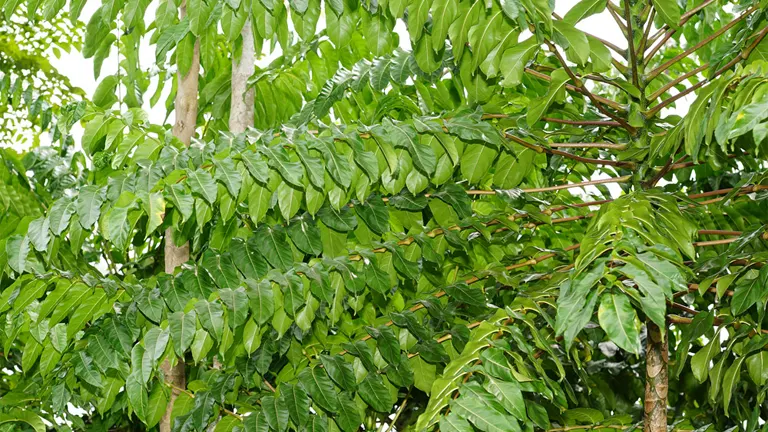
(32, 90)
(381, 248)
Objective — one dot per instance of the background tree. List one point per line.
(396, 242)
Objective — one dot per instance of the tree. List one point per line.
(392, 239)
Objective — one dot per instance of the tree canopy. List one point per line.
(361, 237)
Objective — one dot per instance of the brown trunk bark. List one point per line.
(656, 379)
(241, 109)
(185, 107)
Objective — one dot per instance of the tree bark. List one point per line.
(185, 107)
(656, 379)
(241, 108)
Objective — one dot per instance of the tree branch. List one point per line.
(654, 73)
(613, 104)
(611, 146)
(631, 44)
(579, 83)
(540, 149)
(582, 122)
(677, 81)
(743, 56)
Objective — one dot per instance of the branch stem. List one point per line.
(654, 73)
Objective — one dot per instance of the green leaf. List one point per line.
(295, 398)
(221, 268)
(38, 233)
(182, 200)
(509, 394)
(541, 105)
(453, 423)
(471, 129)
(203, 185)
(456, 197)
(476, 162)
(574, 40)
(211, 316)
(256, 166)
(511, 169)
(340, 371)
(248, 259)
(757, 366)
(156, 405)
(305, 235)
(700, 361)
(89, 202)
(483, 416)
(388, 345)
(349, 418)
(338, 165)
(362, 351)
(276, 412)
(701, 324)
(342, 220)
(291, 171)
(515, 59)
(375, 393)
(261, 300)
(618, 319)
(669, 12)
(404, 135)
(182, 329)
(170, 37)
(320, 387)
(85, 312)
(228, 175)
(137, 396)
(495, 364)
(747, 293)
(730, 380)
(201, 345)
(273, 244)
(60, 213)
(375, 213)
(289, 200)
(583, 9)
(17, 248)
(466, 294)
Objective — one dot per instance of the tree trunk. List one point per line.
(656, 379)
(241, 109)
(185, 107)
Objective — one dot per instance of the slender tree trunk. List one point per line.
(656, 379)
(241, 112)
(185, 107)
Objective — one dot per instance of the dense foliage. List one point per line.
(398, 241)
